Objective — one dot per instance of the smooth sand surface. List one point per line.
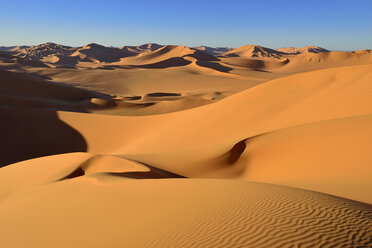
(171, 146)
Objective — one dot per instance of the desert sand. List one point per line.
(173, 146)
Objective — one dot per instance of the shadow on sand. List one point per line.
(28, 133)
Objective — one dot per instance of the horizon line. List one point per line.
(346, 50)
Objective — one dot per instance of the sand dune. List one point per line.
(42, 171)
(254, 64)
(68, 56)
(21, 89)
(325, 95)
(149, 47)
(43, 52)
(253, 51)
(272, 107)
(140, 81)
(115, 210)
(98, 53)
(305, 49)
(87, 130)
(341, 146)
(311, 61)
(166, 53)
(6, 48)
(213, 50)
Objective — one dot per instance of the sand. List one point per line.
(107, 211)
(171, 146)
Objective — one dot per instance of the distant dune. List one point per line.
(213, 50)
(149, 47)
(253, 51)
(5, 48)
(306, 49)
(172, 146)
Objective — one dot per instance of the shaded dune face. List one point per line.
(26, 86)
(237, 151)
(21, 89)
(30, 133)
(171, 62)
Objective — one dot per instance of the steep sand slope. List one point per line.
(102, 210)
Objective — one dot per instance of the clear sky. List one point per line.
(336, 25)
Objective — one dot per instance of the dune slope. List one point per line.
(129, 212)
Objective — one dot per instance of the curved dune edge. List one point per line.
(41, 171)
(90, 212)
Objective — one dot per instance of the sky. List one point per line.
(335, 25)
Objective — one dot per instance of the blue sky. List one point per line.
(336, 25)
